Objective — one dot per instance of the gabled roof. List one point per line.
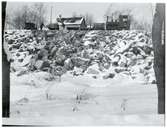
(72, 20)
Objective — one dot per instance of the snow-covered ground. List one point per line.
(74, 101)
(94, 97)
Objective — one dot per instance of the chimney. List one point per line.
(107, 18)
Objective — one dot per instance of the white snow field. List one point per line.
(124, 102)
(98, 97)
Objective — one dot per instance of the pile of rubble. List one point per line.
(82, 52)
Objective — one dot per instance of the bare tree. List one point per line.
(39, 9)
(139, 25)
(74, 14)
(89, 19)
(18, 21)
(35, 14)
(158, 30)
(108, 12)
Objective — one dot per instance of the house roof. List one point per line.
(72, 20)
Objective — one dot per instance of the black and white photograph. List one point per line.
(83, 64)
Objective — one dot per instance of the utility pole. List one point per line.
(51, 15)
(159, 53)
(152, 11)
(5, 70)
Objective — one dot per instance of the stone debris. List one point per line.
(60, 51)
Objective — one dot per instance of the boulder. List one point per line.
(10, 48)
(95, 77)
(43, 53)
(20, 60)
(17, 46)
(78, 61)
(17, 54)
(23, 101)
(11, 41)
(106, 65)
(118, 70)
(22, 72)
(21, 50)
(115, 64)
(58, 71)
(153, 82)
(53, 51)
(60, 59)
(45, 66)
(42, 65)
(68, 64)
(92, 71)
(110, 75)
(38, 64)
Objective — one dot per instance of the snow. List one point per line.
(116, 103)
(129, 98)
(85, 120)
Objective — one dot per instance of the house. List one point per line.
(72, 23)
(53, 26)
(118, 23)
(99, 26)
(31, 26)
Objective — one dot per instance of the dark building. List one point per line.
(30, 26)
(99, 26)
(53, 26)
(122, 23)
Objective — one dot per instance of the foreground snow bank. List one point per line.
(101, 120)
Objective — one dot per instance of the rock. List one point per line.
(11, 60)
(94, 38)
(118, 70)
(153, 82)
(38, 64)
(45, 65)
(95, 77)
(23, 100)
(42, 65)
(60, 59)
(86, 43)
(115, 64)
(77, 71)
(136, 51)
(68, 64)
(147, 67)
(17, 46)
(43, 53)
(20, 50)
(53, 51)
(10, 48)
(92, 71)
(26, 61)
(106, 65)
(110, 75)
(17, 54)
(142, 40)
(11, 41)
(22, 72)
(147, 50)
(69, 49)
(58, 71)
(20, 60)
(50, 78)
(78, 61)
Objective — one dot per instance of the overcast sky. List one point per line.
(141, 11)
